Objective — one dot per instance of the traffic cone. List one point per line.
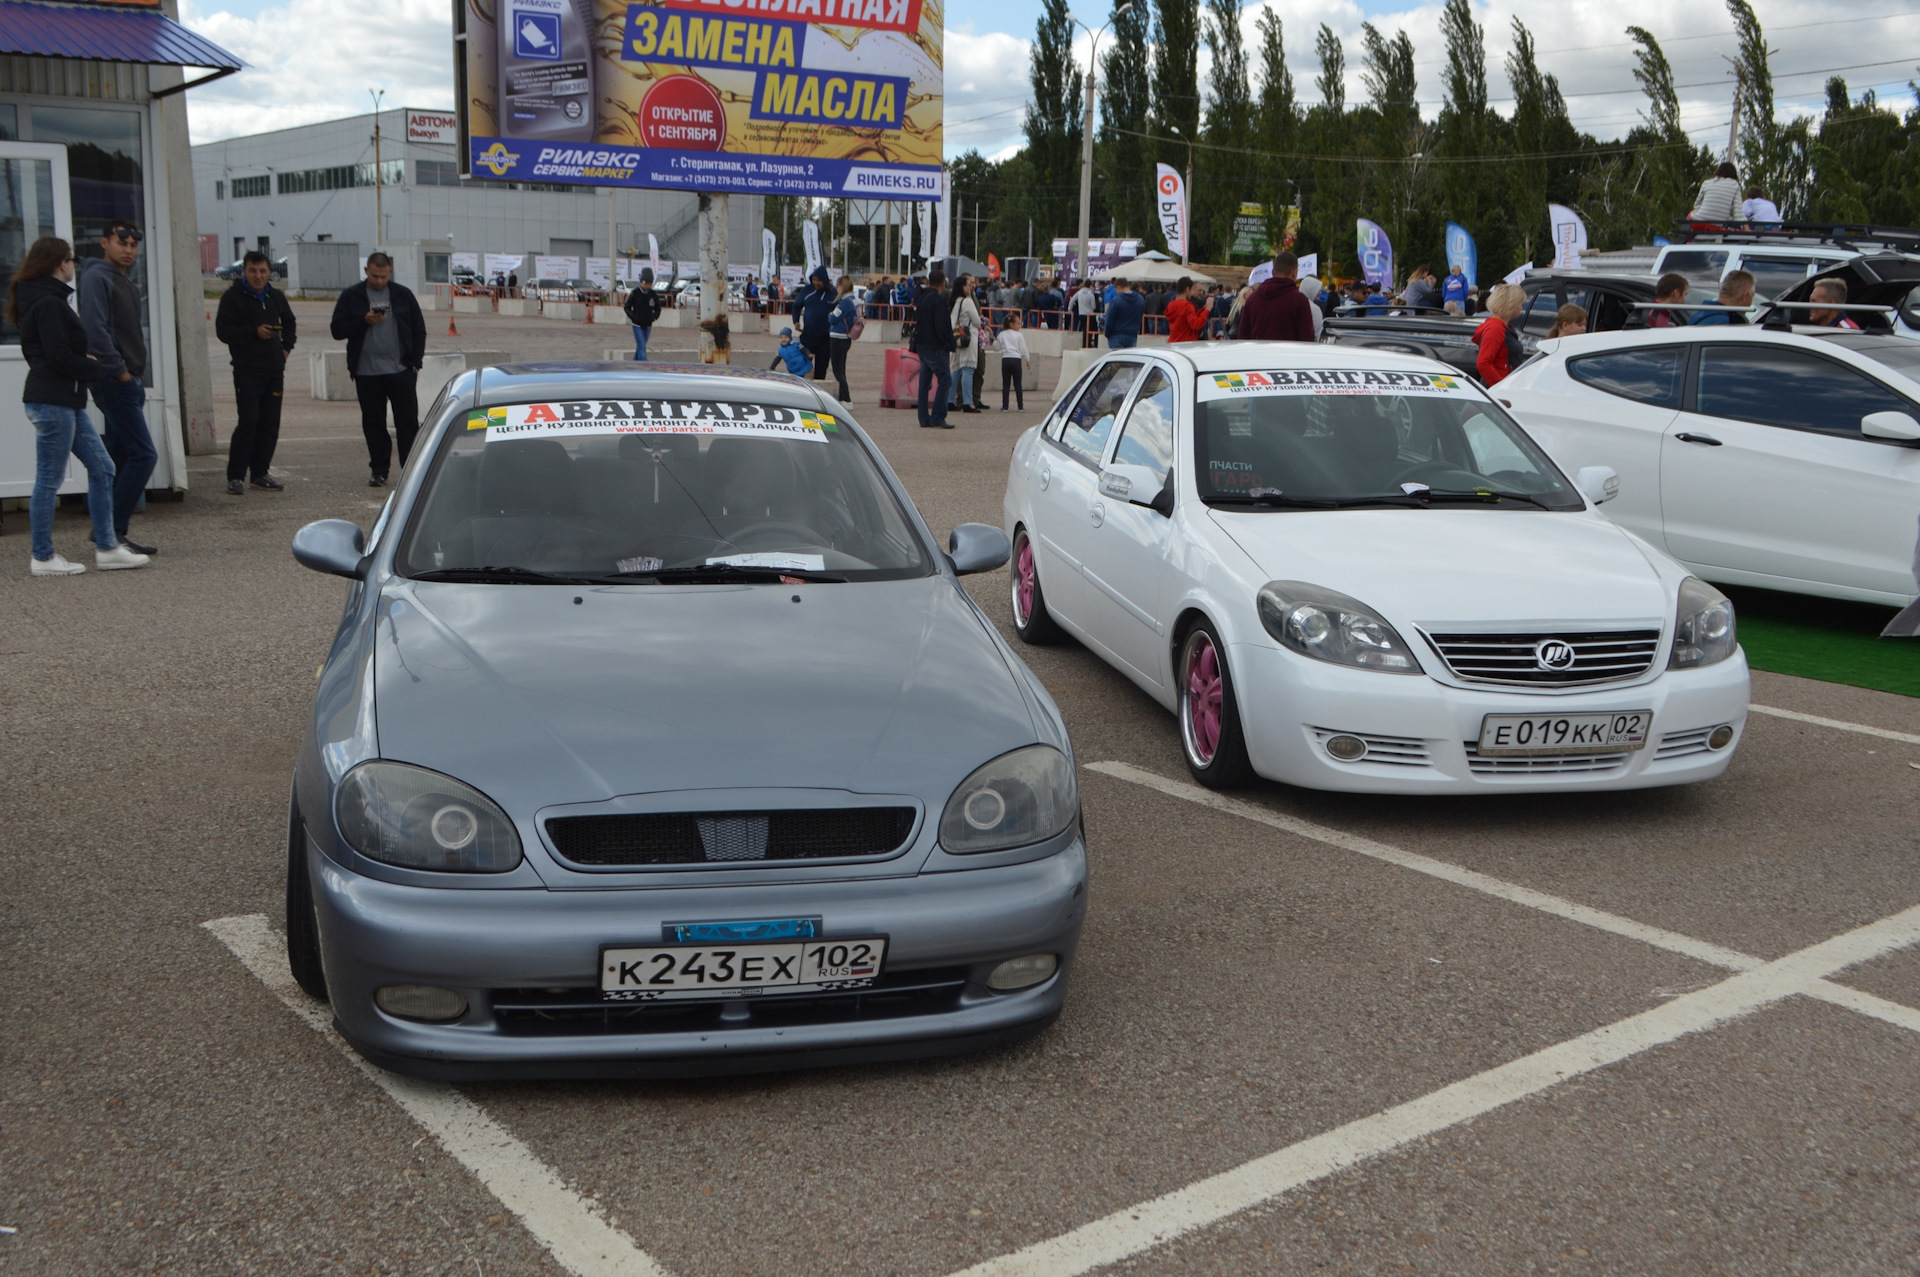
(451, 330)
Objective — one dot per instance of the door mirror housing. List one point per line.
(1138, 485)
(977, 547)
(1598, 484)
(1890, 425)
(332, 545)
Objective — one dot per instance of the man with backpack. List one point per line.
(642, 307)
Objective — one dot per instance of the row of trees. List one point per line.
(1247, 135)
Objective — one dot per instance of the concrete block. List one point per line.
(574, 311)
(472, 305)
(617, 354)
(428, 299)
(609, 315)
(435, 372)
(677, 317)
(521, 306)
(1048, 342)
(1152, 339)
(747, 322)
(884, 332)
(327, 369)
(482, 358)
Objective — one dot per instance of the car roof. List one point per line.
(531, 382)
(1235, 356)
(1862, 344)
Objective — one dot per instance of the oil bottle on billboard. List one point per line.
(546, 70)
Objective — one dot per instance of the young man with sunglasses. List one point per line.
(110, 312)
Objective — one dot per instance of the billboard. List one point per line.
(432, 126)
(827, 98)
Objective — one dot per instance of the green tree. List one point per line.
(1277, 130)
(1328, 217)
(1126, 158)
(1223, 175)
(1527, 173)
(1760, 141)
(1398, 140)
(1053, 123)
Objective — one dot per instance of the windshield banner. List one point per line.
(1328, 381)
(823, 98)
(650, 417)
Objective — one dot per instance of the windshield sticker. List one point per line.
(1329, 381)
(775, 559)
(651, 417)
(640, 563)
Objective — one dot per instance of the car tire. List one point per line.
(303, 926)
(1031, 620)
(1210, 734)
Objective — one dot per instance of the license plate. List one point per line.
(739, 970)
(1616, 733)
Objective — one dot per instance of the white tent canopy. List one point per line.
(1141, 270)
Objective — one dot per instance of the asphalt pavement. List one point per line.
(1308, 1033)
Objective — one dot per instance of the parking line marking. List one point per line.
(571, 1229)
(1835, 723)
(1135, 1229)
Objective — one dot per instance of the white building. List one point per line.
(316, 182)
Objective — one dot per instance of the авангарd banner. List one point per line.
(764, 97)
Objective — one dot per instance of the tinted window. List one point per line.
(1147, 438)
(1091, 420)
(1538, 317)
(1775, 275)
(1651, 376)
(1702, 266)
(1791, 388)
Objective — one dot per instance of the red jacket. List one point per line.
(1491, 362)
(1185, 321)
(1277, 311)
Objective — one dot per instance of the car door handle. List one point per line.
(1709, 440)
(1098, 513)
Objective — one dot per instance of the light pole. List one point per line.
(379, 222)
(1086, 134)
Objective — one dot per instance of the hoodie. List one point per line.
(54, 343)
(1277, 311)
(110, 310)
(237, 323)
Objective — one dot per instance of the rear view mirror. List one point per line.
(977, 547)
(1890, 425)
(331, 545)
(1139, 485)
(1598, 484)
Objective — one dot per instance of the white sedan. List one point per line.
(1783, 459)
(1351, 570)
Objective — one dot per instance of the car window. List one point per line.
(1607, 311)
(1700, 265)
(1651, 375)
(1147, 438)
(1775, 275)
(1091, 420)
(1540, 313)
(1775, 386)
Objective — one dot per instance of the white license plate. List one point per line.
(738, 970)
(1615, 733)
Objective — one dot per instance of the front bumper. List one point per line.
(1422, 733)
(536, 948)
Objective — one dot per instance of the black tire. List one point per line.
(1208, 687)
(303, 927)
(1031, 620)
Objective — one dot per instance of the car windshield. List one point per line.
(650, 490)
(1312, 439)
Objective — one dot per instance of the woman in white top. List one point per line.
(966, 339)
(1719, 198)
(1013, 362)
(1762, 213)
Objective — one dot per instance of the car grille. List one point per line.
(1683, 744)
(714, 837)
(578, 1012)
(1510, 658)
(1393, 751)
(1541, 765)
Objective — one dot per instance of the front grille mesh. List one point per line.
(1536, 765)
(1509, 658)
(571, 1012)
(751, 837)
(1393, 751)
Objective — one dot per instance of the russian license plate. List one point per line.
(1615, 733)
(739, 970)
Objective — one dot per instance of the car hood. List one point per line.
(1453, 566)
(544, 695)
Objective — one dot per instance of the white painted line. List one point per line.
(571, 1228)
(1865, 1003)
(1129, 1232)
(1836, 724)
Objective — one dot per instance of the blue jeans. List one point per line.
(59, 432)
(123, 416)
(936, 374)
(962, 383)
(1122, 341)
(640, 336)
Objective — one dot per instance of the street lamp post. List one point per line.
(1086, 134)
(379, 221)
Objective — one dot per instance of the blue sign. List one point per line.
(1661, 241)
(1462, 252)
(537, 36)
(667, 168)
(1376, 254)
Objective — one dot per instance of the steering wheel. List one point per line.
(1428, 471)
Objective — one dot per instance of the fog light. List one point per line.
(1348, 749)
(1018, 973)
(420, 1002)
(1720, 737)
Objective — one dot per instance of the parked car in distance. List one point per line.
(1779, 258)
(564, 290)
(276, 269)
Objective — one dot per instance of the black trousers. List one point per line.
(839, 358)
(1010, 379)
(256, 430)
(375, 393)
(819, 349)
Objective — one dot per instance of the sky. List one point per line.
(312, 60)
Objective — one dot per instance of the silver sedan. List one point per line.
(659, 737)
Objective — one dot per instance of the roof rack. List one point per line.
(1854, 236)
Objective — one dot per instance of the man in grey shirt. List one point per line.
(386, 338)
(110, 309)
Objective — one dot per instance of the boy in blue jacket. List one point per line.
(793, 354)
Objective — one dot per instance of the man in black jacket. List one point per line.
(933, 342)
(386, 338)
(812, 307)
(110, 310)
(257, 326)
(642, 306)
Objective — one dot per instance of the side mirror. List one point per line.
(331, 545)
(977, 547)
(1598, 484)
(1139, 485)
(1890, 425)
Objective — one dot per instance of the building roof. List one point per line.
(109, 35)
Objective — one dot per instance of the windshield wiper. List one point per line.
(710, 573)
(1486, 496)
(502, 575)
(1277, 501)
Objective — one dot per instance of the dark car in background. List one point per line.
(276, 268)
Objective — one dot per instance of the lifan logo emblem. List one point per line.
(1553, 655)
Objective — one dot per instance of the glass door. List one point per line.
(34, 201)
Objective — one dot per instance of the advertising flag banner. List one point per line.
(769, 255)
(810, 236)
(1462, 252)
(943, 225)
(1569, 236)
(1376, 254)
(993, 266)
(1309, 266)
(823, 98)
(1170, 201)
(923, 216)
(653, 253)
(1260, 274)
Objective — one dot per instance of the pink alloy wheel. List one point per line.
(1203, 698)
(1023, 582)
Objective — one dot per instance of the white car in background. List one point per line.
(1348, 569)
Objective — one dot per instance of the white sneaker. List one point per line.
(56, 566)
(119, 557)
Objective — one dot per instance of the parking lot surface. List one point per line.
(1661, 1031)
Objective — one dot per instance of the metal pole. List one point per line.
(713, 273)
(613, 258)
(379, 215)
(1733, 130)
(1086, 164)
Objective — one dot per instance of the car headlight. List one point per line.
(417, 819)
(1016, 800)
(1328, 626)
(1703, 628)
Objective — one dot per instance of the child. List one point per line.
(1568, 321)
(1013, 359)
(793, 354)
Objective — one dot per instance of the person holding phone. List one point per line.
(257, 327)
(386, 338)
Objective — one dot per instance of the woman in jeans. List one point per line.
(846, 312)
(966, 336)
(58, 370)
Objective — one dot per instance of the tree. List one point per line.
(1465, 131)
(1759, 157)
(1386, 69)
(1126, 158)
(1053, 123)
(1669, 157)
(1527, 174)
(1337, 181)
(1224, 171)
(1276, 129)
(1176, 98)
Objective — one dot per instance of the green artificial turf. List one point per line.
(1826, 639)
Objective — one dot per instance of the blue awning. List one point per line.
(109, 35)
